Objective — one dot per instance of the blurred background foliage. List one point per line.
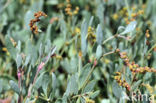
(79, 37)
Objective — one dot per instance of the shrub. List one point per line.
(77, 51)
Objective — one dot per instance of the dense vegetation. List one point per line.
(77, 51)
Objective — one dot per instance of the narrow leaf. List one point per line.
(72, 86)
(136, 84)
(91, 20)
(130, 27)
(18, 60)
(53, 81)
(84, 74)
(14, 86)
(116, 90)
(90, 86)
(84, 28)
(99, 51)
(99, 35)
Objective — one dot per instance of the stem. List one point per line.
(38, 70)
(29, 91)
(107, 53)
(48, 100)
(76, 96)
(19, 75)
(35, 77)
(151, 49)
(73, 38)
(114, 36)
(87, 80)
(108, 39)
(123, 37)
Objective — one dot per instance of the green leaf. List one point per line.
(37, 5)
(116, 90)
(136, 84)
(72, 86)
(99, 35)
(18, 60)
(19, 46)
(120, 29)
(53, 50)
(95, 94)
(1, 86)
(105, 101)
(14, 86)
(49, 31)
(63, 28)
(27, 60)
(84, 74)
(84, 29)
(45, 81)
(99, 51)
(70, 66)
(100, 13)
(52, 94)
(90, 86)
(53, 81)
(10, 47)
(32, 51)
(41, 50)
(66, 65)
(28, 16)
(64, 99)
(39, 80)
(52, 2)
(59, 42)
(130, 27)
(48, 46)
(91, 21)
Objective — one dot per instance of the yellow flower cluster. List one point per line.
(91, 35)
(149, 88)
(123, 13)
(5, 50)
(135, 68)
(115, 16)
(80, 54)
(140, 12)
(77, 30)
(59, 57)
(68, 9)
(89, 100)
(121, 82)
(147, 34)
(134, 15)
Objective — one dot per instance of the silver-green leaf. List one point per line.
(99, 51)
(18, 60)
(130, 27)
(14, 86)
(99, 35)
(84, 28)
